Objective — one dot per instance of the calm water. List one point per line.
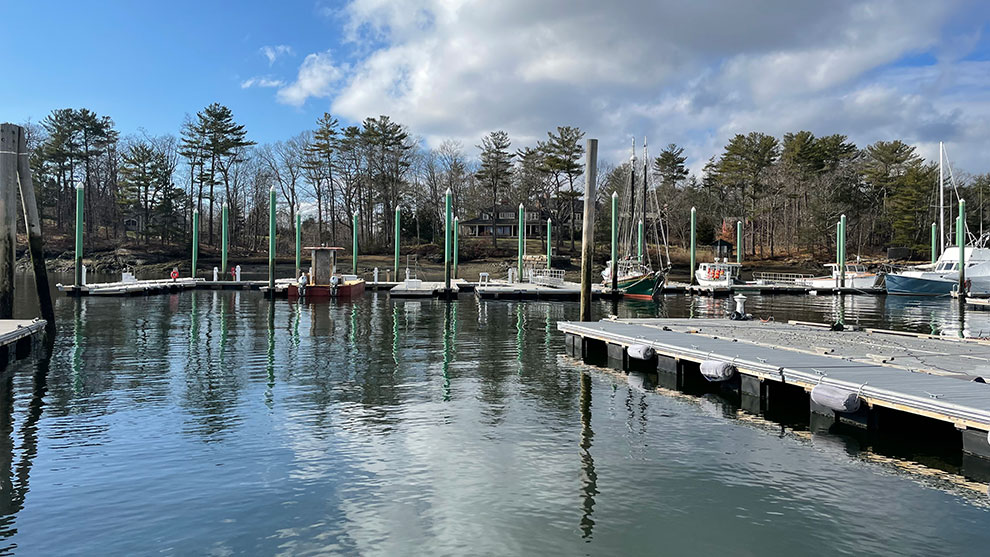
(216, 423)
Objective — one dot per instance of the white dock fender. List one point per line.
(641, 352)
(713, 370)
(835, 398)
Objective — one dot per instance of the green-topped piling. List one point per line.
(195, 242)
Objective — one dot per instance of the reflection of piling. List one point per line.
(589, 480)
(35, 240)
(587, 226)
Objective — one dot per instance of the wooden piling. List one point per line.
(8, 217)
(32, 223)
(588, 226)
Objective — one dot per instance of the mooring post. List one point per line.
(298, 244)
(448, 222)
(842, 251)
(8, 218)
(398, 221)
(694, 226)
(961, 233)
(838, 249)
(224, 239)
(587, 226)
(522, 242)
(35, 239)
(457, 222)
(640, 249)
(614, 264)
(549, 234)
(271, 242)
(739, 242)
(79, 234)
(934, 235)
(195, 241)
(354, 247)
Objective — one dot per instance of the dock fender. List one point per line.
(835, 398)
(641, 352)
(717, 371)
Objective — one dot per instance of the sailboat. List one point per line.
(636, 277)
(939, 279)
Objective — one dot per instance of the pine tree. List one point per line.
(495, 170)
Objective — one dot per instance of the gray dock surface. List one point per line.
(922, 374)
(17, 337)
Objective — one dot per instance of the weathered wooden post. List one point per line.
(195, 241)
(934, 236)
(614, 264)
(8, 217)
(587, 226)
(961, 234)
(549, 234)
(398, 236)
(298, 245)
(739, 242)
(32, 223)
(271, 242)
(448, 222)
(457, 224)
(522, 243)
(842, 251)
(694, 226)
(639, 250)
(224, 239)
(354, 247)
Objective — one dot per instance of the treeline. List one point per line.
(788, 191)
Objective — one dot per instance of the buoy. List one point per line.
(174, 274)
(641, 352)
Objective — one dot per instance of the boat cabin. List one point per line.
(719, 270)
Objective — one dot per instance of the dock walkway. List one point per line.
(915, 374)
(143, 287)
(18, 337)
(498, 290)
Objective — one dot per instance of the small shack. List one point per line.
(722, 249)
(324, 264)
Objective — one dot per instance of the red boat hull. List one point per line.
(346, 290)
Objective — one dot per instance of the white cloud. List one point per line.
(261, 82)
(690, 73)
(317, 75)
(272, 53)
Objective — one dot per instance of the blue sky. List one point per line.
(693, 74)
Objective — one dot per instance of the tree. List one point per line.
(319, 161)
(670, 168)
(563, 153)
(743, 166)
(495, 171)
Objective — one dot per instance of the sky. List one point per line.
(690, 73)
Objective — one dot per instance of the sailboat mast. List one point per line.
(941, 201)
(632, 195)
(646, 162)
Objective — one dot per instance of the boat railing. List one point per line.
(546, 277)
(781, 278)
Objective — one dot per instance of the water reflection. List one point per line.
(589, 478)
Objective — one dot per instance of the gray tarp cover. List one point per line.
(717, 371)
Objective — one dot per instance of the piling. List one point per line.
(271, 241)
(457, 224)
(639, 249)
(448, 218)
(298, 245)
(614, 264)
(195, 241)
(838, 247)
(8, 218)
(398, 221)
(694, 226)
(842, 251)
(521, 232)
(934, 236)
(739, 242)
(549, 234)
(961, 233)
(32, 223)
(79, 234)
(587, 226)
(354, 247)
(225, 239)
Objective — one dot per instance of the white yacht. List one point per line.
(939, 280)
(718, 274)
(857, 276)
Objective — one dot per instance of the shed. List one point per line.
(722, 248)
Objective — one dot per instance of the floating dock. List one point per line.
(903, 380)
(427, 289)
(18, 338)
(752, 288)
(144, 287)
(529, 291)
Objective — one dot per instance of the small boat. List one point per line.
(940, 280)
(857, 276)
(323, 281)
(718, 274)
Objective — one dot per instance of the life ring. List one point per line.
(711, 274)
(174, 274)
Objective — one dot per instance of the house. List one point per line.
(507, 222)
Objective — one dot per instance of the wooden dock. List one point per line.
(19, 338)
(900, 378)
